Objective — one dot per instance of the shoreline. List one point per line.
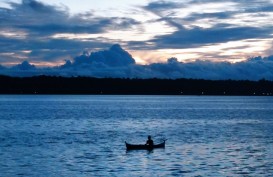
(53, 85)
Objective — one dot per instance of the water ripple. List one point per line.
(84, 136)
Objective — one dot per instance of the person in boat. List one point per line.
(149, 142)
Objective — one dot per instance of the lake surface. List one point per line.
(69, 135)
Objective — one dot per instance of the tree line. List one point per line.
(136, 86)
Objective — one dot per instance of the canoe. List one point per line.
(143, 147)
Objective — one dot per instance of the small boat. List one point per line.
(143, 147)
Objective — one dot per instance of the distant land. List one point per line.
(124, 86)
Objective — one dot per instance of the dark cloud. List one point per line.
(218, 33)
(27, 29)
(91, 26)
(33, 25)
(248, 70)
(25, 65)
(216, 15)
(41, 19)
(242, 6)
(31, 12)
(33, 6)
(158, 8)
(199, 36)
(162, 5)
(113, 57)
(23, 69)
(117, 63)
(2, 67)
(49, 50)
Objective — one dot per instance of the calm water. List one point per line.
(84, 135)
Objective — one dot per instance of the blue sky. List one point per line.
(47, 33)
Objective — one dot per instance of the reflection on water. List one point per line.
(84, 135)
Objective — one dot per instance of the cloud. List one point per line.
(114, 62)
(217, 15)
(42, 33)
(41, 19)
(25, 65)
(31, 25)
(162, 5)
(252, 69)
(197, 37)
(2, 67)
(117, 63)
(113, 57)
(239, 20)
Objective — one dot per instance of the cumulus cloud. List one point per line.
(117, 63)
(115, 56)
(247, 70)
(114, 62)
(25, 65)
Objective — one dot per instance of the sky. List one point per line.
(214, 39)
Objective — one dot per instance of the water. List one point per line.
(84, 135)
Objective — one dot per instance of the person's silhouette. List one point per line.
(149, 142)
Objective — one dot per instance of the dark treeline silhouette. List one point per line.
(89, 85)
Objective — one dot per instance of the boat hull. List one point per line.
(143, 147)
